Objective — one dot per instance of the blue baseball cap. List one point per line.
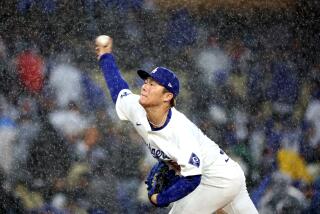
(164, 77)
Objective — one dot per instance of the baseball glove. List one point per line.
(159, 179)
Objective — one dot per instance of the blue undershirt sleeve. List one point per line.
(178, 190)
(112, 76)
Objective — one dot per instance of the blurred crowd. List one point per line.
(251, 82)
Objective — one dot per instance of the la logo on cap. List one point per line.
(155, 70)
(169, 84)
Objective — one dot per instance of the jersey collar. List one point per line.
(165, 124)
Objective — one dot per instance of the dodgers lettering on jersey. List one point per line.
(157, 153)
(180, 141)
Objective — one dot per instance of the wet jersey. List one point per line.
(179, 141)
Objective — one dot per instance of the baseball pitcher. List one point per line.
(192, 171)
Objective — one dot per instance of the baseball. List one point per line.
(103, 40)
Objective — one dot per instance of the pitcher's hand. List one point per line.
(103, 45)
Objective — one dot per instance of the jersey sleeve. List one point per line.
(190, 163)
(127, 105)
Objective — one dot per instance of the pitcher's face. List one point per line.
(152, 93)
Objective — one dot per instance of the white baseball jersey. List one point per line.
(181, 142)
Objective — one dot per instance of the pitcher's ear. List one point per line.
(168, 96)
